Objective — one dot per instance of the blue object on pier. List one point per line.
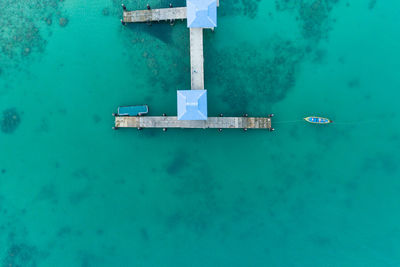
(201, 13)
(192, 104)
(133, 110)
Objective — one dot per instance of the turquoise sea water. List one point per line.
(75, 193)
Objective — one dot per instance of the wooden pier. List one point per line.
(196, 59)
(162, 14)
(211, 122)
(197, 80)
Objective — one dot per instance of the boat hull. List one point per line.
(317, 120)
(139, 110)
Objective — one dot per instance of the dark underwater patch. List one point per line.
(20, 35)
(318, 56)
(248, 8)
(197, 215)
(371, 4)
(105, 11)
(134, 4)
(99, 232)
(241, 208)
(353, 83)
(83, 174)
(96, 118)
(144, 234)
(20, 254)
(49, 19)
(64, 232)
(200, 183)
(196, 189)
(178, 163)
(381, 162)
(320, 241)
(76, 198)
(295, 132)
(10, 120)
(314, 16)
(245, 75)
(43, 126)
(87, 259)
(326, 137)
(63, 21)
(48, 193)
(161, 31)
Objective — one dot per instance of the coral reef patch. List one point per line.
(20, 28)
(262, 78)
(10, 120)
(20, 254)
(248, 8)
(106, 11)
(63, 21)
(314, 16)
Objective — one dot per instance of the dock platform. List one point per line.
(211, 122)
(161, 14)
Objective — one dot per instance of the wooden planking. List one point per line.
(196, 59)
(211, 122)
(155, 14)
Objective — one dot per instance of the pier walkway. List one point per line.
(211, 122)
(196, 59)
(161, 14)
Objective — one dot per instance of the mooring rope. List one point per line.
(333, 122)
(283, 122)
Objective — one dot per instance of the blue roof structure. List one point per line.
(192, 104)
(201, 13)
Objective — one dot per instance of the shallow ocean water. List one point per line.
(75, 193)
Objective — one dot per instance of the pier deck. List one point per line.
(211, 122)
(196, 59)
(162, 14)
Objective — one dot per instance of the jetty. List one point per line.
(154, 15)
(196, 59)
(166, 122)
(191, 104)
